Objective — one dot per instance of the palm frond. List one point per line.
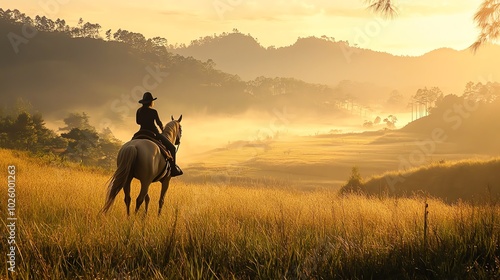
(385, 7)
(487, 19)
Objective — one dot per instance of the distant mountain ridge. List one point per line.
(59, 73)
(58, 70)
(322, 60)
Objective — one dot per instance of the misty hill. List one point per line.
(64, 69)
(56, 72)
(323, 60)
(471, 124)
(469, 180)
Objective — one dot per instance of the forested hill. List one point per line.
(61, 69)
(467, 123)
(329, 61)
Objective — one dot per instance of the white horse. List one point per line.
(142, 159)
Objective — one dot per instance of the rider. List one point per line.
(146, 117)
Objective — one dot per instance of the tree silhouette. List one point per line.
(426, 99)
(91, 30)
(487, 18)
(354, 184)
(108, 35)
(108, 146)
(82, 144)
(385, 7)
(391, 121)
(61, 26)
(485, 93)
(44, 24)
(28, 132)
(46, 138)
(23, 132)
(86, 145)
(76, 120)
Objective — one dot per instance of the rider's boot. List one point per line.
(175, 170)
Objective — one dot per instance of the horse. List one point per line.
(142, 159)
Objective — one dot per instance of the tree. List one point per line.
(354, 183)
(109, 146)
(108, 35)
(390, 121)
(76, 120)
(91, 30)
(77, 31)
(210, 64)
(82, 144)
(47, 140)
(159, 41)
(28, 132)
(23, 133)
(44, 24)
(486, 93)
(136, 40)
(81, 136)
(425, 99)
(61, 26)
(487, 18)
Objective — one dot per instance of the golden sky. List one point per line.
(421, 26)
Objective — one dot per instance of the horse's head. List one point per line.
(178, 129)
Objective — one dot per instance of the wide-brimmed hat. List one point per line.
(146, 98)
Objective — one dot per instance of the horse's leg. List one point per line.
(164, 187)
(142, 195)
(146, 202)
(128, 199)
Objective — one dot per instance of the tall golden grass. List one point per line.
(212, 231)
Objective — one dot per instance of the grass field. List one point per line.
(324, 160)
(225, 231)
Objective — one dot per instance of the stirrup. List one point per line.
(176, 171)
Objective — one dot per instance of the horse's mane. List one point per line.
(171, 130)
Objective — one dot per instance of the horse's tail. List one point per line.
(126, 160)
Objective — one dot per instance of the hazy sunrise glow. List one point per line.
(419, 27)
(307, 139)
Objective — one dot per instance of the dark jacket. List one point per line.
(146, 118)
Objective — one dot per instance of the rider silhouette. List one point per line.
(146, 117)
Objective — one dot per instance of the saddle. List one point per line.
(149, 135)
